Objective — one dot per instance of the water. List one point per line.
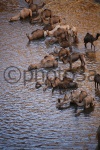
(28, 117)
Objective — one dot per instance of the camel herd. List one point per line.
(66, 37)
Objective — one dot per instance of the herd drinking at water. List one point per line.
(67, 37)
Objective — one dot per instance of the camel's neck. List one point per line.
(29, 37)
(96, 38)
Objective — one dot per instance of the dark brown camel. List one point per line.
(97, 80)
(62, 53)
(37, 34)
(90, 39)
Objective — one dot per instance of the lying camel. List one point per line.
(58, 39)
(64, 84)
(58, 29)
(60, 32)
(74, 96)
(66, 40)
(35, 7)
(50, 33)
(62, 103)
(46, 13)
(49, 82)
(70, 31)
(47, 62)
(90, 39)
(25, 12)
(77, 96)
(74, 57)
(48, 27)
(47, 58)
(52, 20)
(67, 43)
(37, 34)
(42, 15)
(51, 41)
(87, 102)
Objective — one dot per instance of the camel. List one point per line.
(37, 34)
(87, 102)
(35, 7)
(50, 82)
(58, 30)
(63, 53)
(52, 20)
(25, 12)
(48, 27)
(74, 57)
(90, 39)
(64, 38)
(62, 103)
(77, 96)
(42, 15)
(64, 84)
(47, 62)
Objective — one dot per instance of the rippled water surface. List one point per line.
(28, 117)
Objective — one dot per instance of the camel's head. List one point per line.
(31, 67)
(58, 100)
(98, 34)
(27, 1)
(11, 19)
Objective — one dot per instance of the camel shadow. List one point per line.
(26, 20)
(86, 111)
(91, 55)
